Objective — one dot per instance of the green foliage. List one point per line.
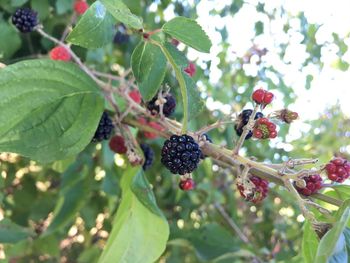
(12, 233)
(42, 112)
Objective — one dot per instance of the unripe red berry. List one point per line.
(190, 69)
(260, 190)
(271, 126)
(333, 177)
(187, 184)
(273, 134)
(60, 53)
(263, 121)
(268, 97)
(338, 170)
(338, 161)
(258, 96)
(331, 168)
(257, 133)
(80, 7)
(117, 144)
(136, 96)
(313, 184)
(175, 42)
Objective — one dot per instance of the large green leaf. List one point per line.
(189, 32)
(49, 109)
(12, 43)
(139, 235)
(122, 13)
(309, 243)
(12, 233)
(329, 244)
(149, 65)
(95, 29)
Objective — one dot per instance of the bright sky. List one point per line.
(328, 86)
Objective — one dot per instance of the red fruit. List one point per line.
(273, 134)
(268, 97)
(60, 53)
(331, 168)
(341, 171)
(136, 96)
(258, 96)
(333, 177)
(338, 161)
(263, 121)
(191, 69)
(80, 7)
(257, 133)
(187, 184)
(260, 191)
(156, 126)
(117, 144)
(271, 126)
(338, 170)
(294, 115)
(313, 184)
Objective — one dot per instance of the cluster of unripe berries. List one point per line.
(338, 170)
(262, 97)
(259, 191)
(264, 129)
(309, 185)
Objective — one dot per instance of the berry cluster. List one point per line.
(168, 107)
(264, 129)
(136, 96)
(152, 124)
(190, 69)
(180, 154)
(313, 183)
(261, 188)
(60, 53)
(263, 97)
(117, 144)
(80, 7)
(149, 156)
(338, 170)
(242, 121)
(104, 129)
(25, 19)
(187, 184)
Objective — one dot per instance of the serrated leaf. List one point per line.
(149, 66)
(95, 28)
(189, 32)
(12, 233)
(122, 13)
(309, 243)
(49, 109)
(135, 228)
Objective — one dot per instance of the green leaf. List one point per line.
(12, 233)
(49, 109)
(189, 32)
(13, 41)
(138, 235)
(309, 243)
(95, 29)
(329, 243)
(73, 196)
(122, 13)
(149, 66)
(42, 7)
(63, 6)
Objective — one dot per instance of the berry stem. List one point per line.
(246, 130)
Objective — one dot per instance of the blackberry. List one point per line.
(121, 37)
(25, 19)
(104, 129)
(168, 107)
(149, 156)
(205, 137)
(180, 154)
(243, 119)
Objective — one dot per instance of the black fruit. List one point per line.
(168, 107)
(243, 119)
(149, 156)
(25, 19)
(104, 129)
(181, 154)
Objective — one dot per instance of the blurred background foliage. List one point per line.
(87, 187)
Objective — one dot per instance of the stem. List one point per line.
(246, 130)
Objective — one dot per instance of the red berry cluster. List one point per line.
(80, 7)
(264, 129)
(187, 184)
(338, 170)
(260, 191)
(152, 124)
(263, 97)
(190, 69)
(60, 53)
(136, 96)
(313, 183)
(117, 144)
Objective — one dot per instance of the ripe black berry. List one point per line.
(104, 129)
(149, 156)
(181, 154)
(168, 107)
(25, 19)
(243, 119)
